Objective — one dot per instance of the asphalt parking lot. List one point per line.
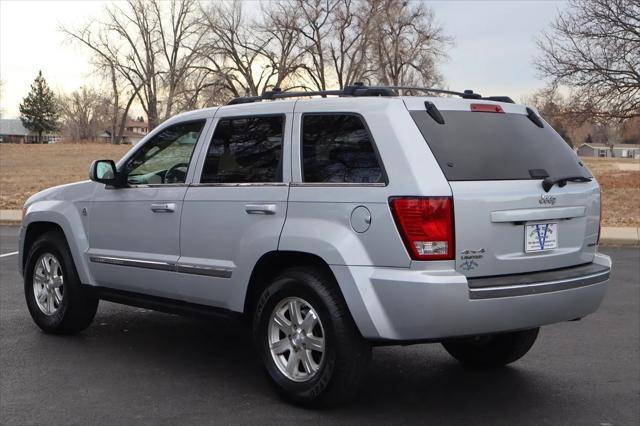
(134, 366)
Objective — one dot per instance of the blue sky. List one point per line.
(493, 52)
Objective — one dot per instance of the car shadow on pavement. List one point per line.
(189, 360)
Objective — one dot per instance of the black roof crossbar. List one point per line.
(467, 94)
(359, 89)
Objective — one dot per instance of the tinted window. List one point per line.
(247, 149)
(165, 158)
(338, 148)
(489, 146)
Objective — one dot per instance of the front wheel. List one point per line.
(304, 334)
(57, 301)
(492, 350)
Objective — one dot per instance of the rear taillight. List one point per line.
(426, 226)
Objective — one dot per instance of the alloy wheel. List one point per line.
(296, 339)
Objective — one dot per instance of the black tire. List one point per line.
(78, 306)
(347, 354)
(491, 351)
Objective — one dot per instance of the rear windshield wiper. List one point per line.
(547, 183)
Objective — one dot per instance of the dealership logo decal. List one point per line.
(542, 232)
(468, 265)
(470, 256)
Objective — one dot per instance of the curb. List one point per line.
(10, 217)
(620, 237)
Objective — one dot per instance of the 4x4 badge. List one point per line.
(547, 199)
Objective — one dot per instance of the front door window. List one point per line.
(165, 158)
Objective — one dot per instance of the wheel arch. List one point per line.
(31, 234)
(62, 218)
(273, 263)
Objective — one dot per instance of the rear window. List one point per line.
(489, 146)
(338, 148)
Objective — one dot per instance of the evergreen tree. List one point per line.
(38, 111)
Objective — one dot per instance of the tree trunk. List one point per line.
(116, 106)
(123, 119)
(152, 111)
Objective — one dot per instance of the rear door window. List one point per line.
(338, 148)
(245, 150)
(492, 146)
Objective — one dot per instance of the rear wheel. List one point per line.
(55, 297)
(492, 350)
(310, 347)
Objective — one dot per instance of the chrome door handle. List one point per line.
(260, 208)
(163, 207)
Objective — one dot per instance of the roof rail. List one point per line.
(359, 89)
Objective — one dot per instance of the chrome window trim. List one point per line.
(537, 288)
(156, 185)
(338, 184)
(239, 184)
(210, 271)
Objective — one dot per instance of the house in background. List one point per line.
(134, 131)
(12, 131)
(603, 151)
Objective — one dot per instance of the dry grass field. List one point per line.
(620, 183)
(27, 169)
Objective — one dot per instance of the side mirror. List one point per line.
(104, 171)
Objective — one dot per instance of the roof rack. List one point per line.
(359, 89)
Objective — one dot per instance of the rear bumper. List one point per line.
(402, 305)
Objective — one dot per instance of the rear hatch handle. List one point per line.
(548, 182)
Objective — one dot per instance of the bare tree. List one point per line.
(250, 55)
(314, 25)
(134, 29)
(593, 48)
(351, 41)
(554, 109)
(283, 50)
(150, 48)
(180, 42)
(408, 43)
(232, 50)
(84, 113)
(169, 56)
(105, 59)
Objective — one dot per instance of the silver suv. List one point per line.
(332, 224)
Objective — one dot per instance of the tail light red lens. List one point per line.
(426, 226)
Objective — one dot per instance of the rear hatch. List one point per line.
(495, 160)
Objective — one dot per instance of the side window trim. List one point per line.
(206, 143)
(193, 159)
(374, 145)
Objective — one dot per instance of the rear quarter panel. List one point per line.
(318, 216)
